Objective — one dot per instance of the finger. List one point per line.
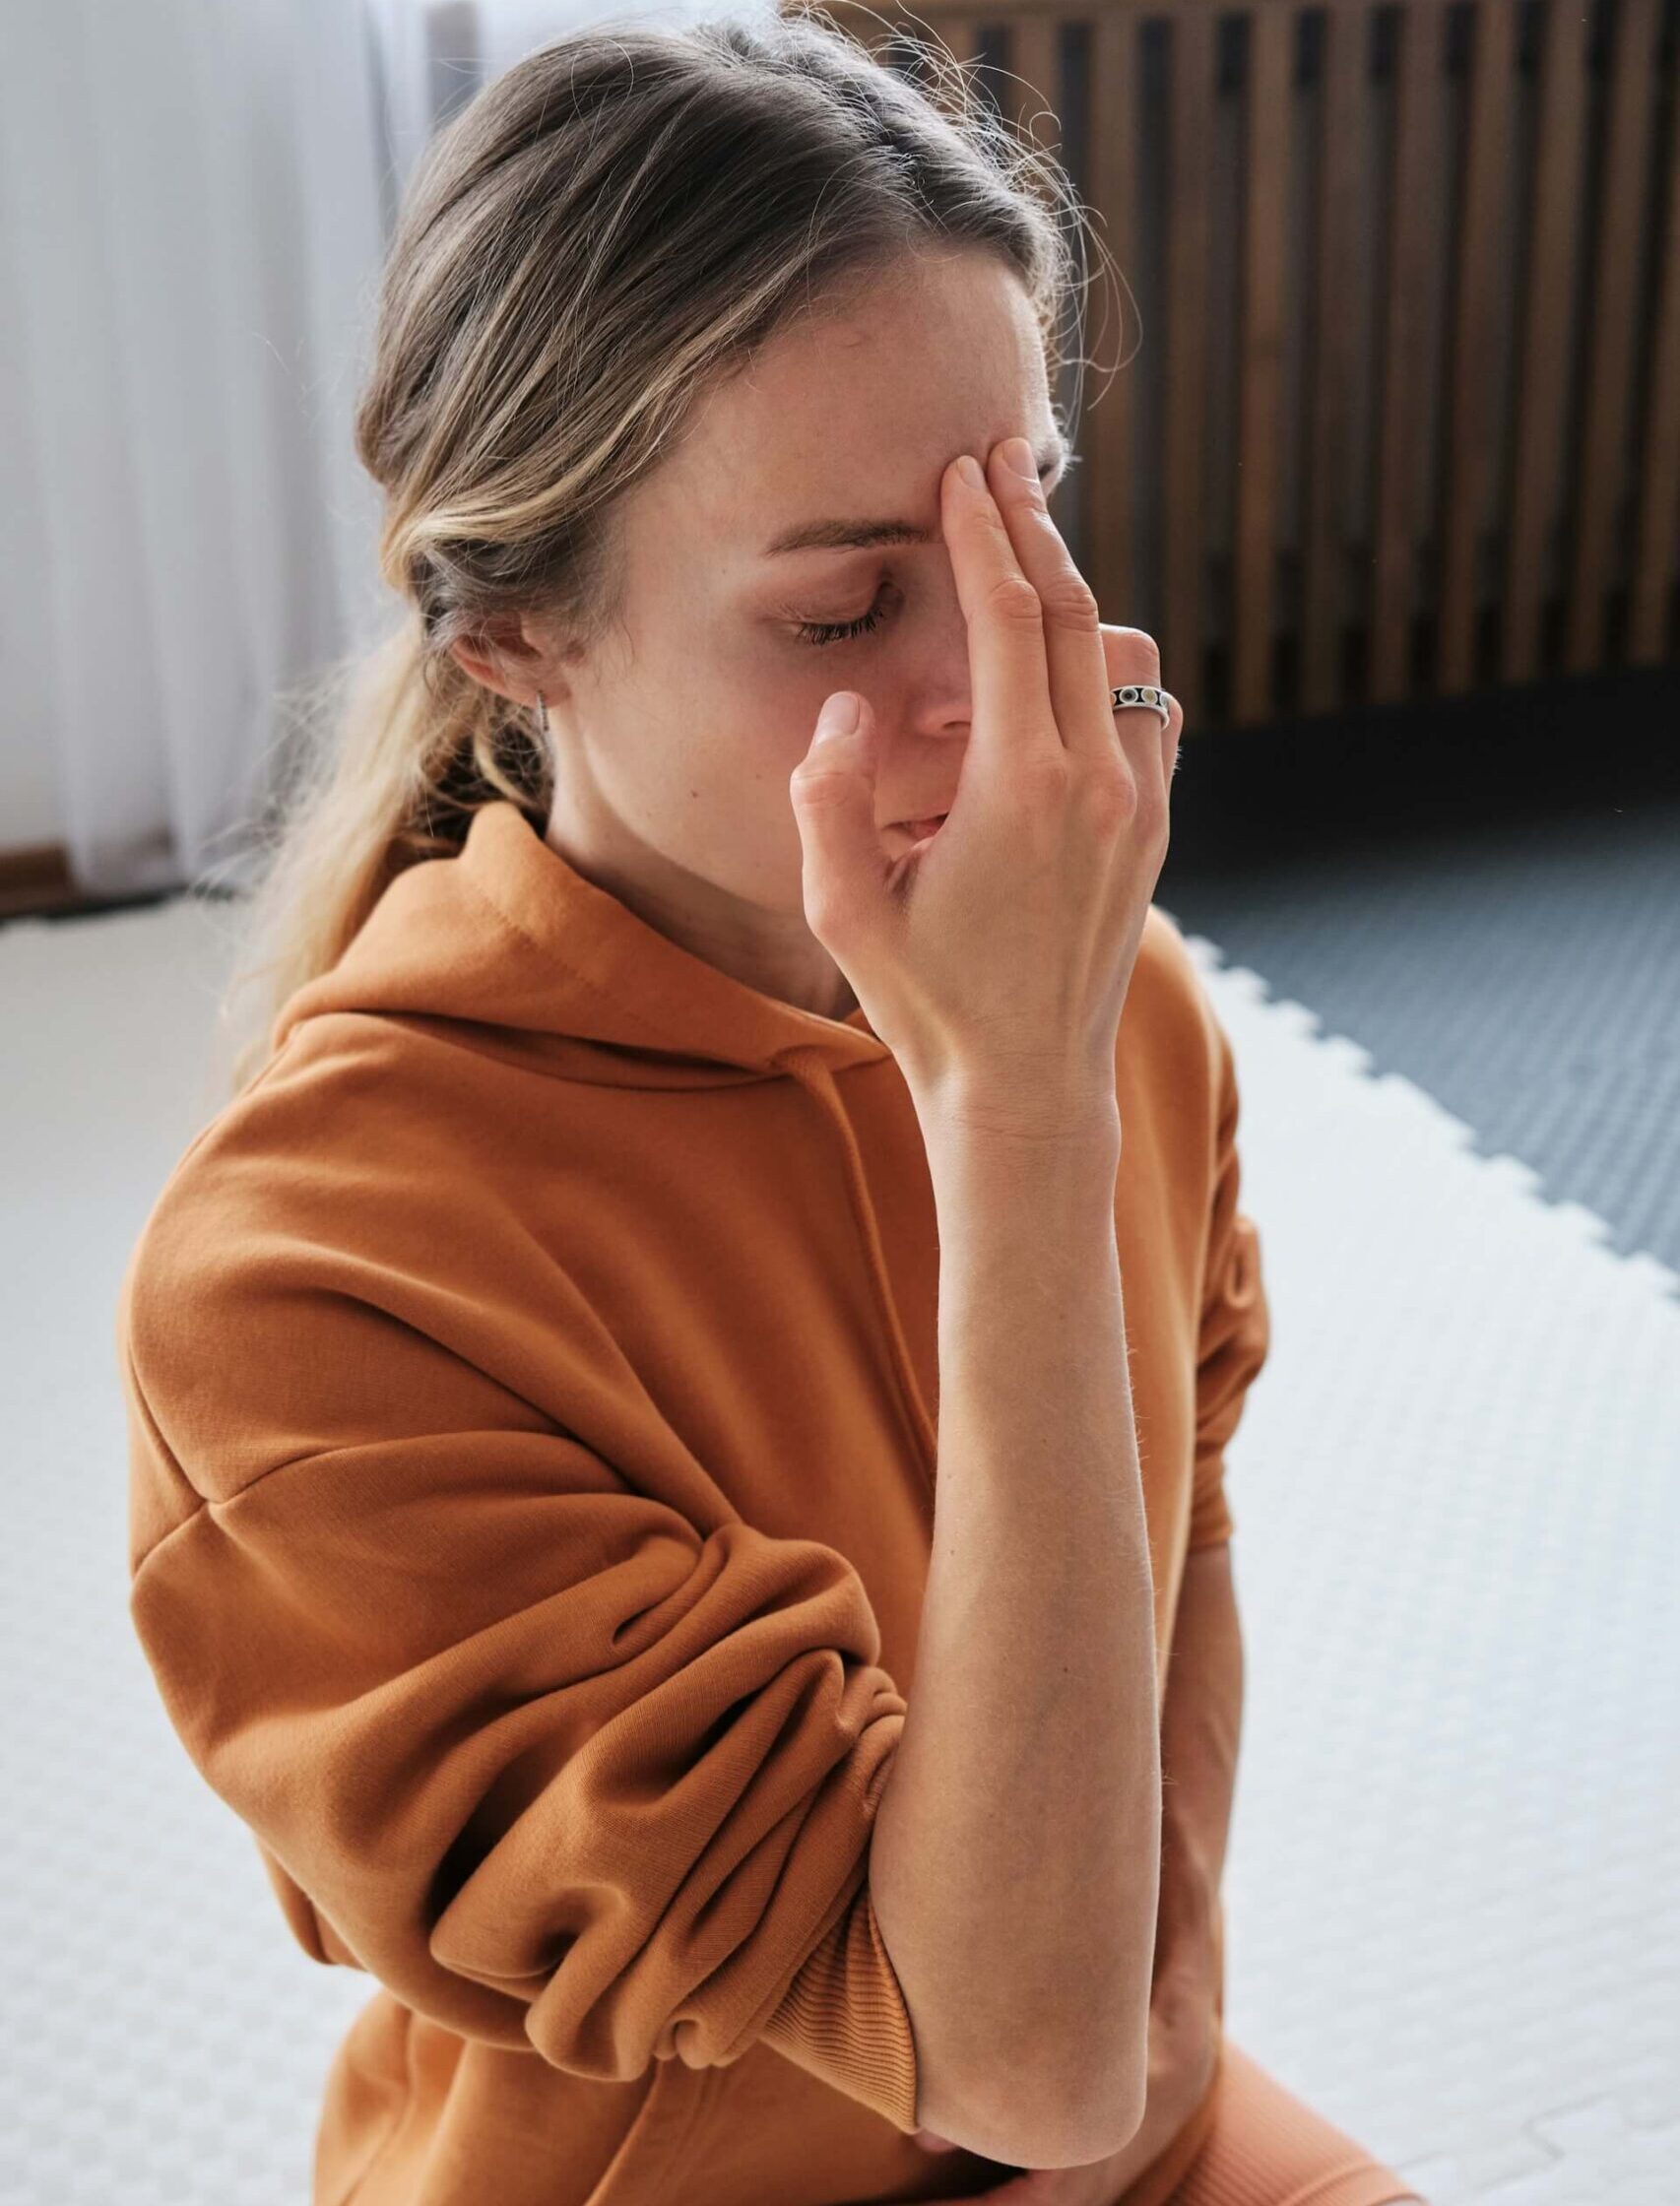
(833, 793)
(1012, 716)
(1072, 629)
(1151, 749)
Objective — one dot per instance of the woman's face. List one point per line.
(676, 736)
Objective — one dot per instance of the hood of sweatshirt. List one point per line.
(509, 935)
(509, 943)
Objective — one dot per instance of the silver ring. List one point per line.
(1142, 693)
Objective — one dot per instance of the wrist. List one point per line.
(1048, 1167)
(1023, 1116)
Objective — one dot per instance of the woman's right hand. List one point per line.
(995, 958)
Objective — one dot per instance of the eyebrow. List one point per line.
(848, 536)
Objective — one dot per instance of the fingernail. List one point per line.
(970, 471)
(839, 714)
(1018, 453)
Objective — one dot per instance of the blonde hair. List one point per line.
(611, 225)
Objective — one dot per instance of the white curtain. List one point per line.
(189, 216)
(195, 198)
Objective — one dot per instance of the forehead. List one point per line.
(859, 407)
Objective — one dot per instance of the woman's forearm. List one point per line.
(1015, 1855)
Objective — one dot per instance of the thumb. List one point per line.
(833, 792)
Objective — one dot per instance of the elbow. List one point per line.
(1098, 2107)
(1102, 2127)
(1052, 2076)
(1024, 2132)
(1017, 2116)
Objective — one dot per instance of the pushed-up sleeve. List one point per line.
(1235, 1332)
(563, 1771)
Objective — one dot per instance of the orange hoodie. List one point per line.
(532, 1378)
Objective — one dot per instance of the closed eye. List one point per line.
(837, 631)
(821, 632)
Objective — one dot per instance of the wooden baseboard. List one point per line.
(35, 878)
(36, 883)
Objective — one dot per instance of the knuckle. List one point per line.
(1151, 819)
(1045, 778)
(818, 788)
(1112, 795)
(1013, 601)
(1070, 600)
(1140, 653)
(828, 915)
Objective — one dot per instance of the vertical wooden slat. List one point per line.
(959, 35)
(1469, 398)
(1469, 245)
(1189, 216)
(872, 26)
(1271, 56)
(1035, 80)
(1108, 434)
(1344, 98)
(1412, 255)
(1659, 448)
(1614, 304)
(1542, 390)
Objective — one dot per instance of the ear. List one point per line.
(506, 657)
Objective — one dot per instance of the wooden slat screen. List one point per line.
(1400, 413)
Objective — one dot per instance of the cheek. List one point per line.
(775, 688)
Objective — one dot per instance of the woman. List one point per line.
(537, 1507)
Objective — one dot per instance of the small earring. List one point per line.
(542, 712)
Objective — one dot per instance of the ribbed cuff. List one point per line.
(844, 2018)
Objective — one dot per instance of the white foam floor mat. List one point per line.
(1453, 1884)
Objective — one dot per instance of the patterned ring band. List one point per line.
(1143, 693)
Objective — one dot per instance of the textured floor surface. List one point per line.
(1486, 896)
(1453, 1889)
(1527, 977)
(1453, 1895)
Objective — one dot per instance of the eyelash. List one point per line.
(821, 632)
